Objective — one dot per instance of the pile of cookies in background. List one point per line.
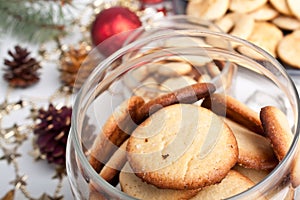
(273, 25)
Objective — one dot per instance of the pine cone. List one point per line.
(52, 133)
(21, 71)
(74, 61)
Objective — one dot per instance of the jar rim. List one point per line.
(77, 113)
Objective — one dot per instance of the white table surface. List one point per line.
(39, 173)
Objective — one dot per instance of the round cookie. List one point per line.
(255, 151)
(172, 69)
(234, 183)
(176, 83)
(254, 175)
(133, 111)
(237, 24)
(281, 6)
(207, 9)
(294, 7)
(246, 6)
(288, 49)
(286, 22)
(182, 146)
(136, 187)
(267, 36)
(265, 13)
(295, 171)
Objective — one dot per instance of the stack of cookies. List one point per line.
(192, 143)
(273, 25)
(160, 77)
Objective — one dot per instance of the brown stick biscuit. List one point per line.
(114, 164)
(235, 110)
(255, 151)
(115, 131)
(182, 146)
(277, 129)
(189, 94)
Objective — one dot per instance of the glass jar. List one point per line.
(244, 71)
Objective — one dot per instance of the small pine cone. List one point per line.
(52, 132)
(21, 71)
(76, 66)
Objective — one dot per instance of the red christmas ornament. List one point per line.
(111, 22)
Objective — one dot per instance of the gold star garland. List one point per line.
(12, 138)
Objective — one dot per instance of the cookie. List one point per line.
(182, 146)
(294, 7)
(265, 13)
(277, 129)
(207, 9)
(255, 151)
(254, 175)
(185, 42)
(267, 36)
(188, 94)
(289, 48)
(171, 69)
(286, 22)
(281, 6)
(234, 183)
(295, 171)
(134, 78)
(237, 24)
(136, 187)
(148, 89)
(235, 110)
(95, 195)
(114, 132)
(176, 83)
(246, 6)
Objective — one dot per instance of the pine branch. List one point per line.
(32, 20)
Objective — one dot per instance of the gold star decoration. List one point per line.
(60, 172)
(34, 113)
(10, 154)
(19, 181)
(15, 133)
(36, 154)
(47, 197)
(20, 137)
(7, 133)
(6, 107)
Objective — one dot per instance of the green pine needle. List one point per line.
(33, 20)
